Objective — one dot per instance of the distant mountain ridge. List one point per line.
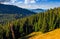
(11, 12)
(37, 10)
(11, 9)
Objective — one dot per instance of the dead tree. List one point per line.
(12, 31)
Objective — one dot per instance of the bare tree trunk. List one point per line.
(11, 28)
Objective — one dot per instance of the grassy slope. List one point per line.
(50, 35)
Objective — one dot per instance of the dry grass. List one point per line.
(50, 35)
(35, 34)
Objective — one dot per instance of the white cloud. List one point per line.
(26, 1)
(29, 1)
(13, 1)
(33, 1)
(26, 4)
(29, 6)
(35, 6)
(8, 1)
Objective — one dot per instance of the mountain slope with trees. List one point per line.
(42, 22)
(11, 12)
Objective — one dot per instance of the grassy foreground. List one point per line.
(50, 35)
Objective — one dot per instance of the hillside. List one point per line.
(11, 12)
(43, 22)
(50, 35)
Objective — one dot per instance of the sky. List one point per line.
(33, 4)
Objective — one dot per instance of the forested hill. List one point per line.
(43, 22)
(11, 12)
(11, 9)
